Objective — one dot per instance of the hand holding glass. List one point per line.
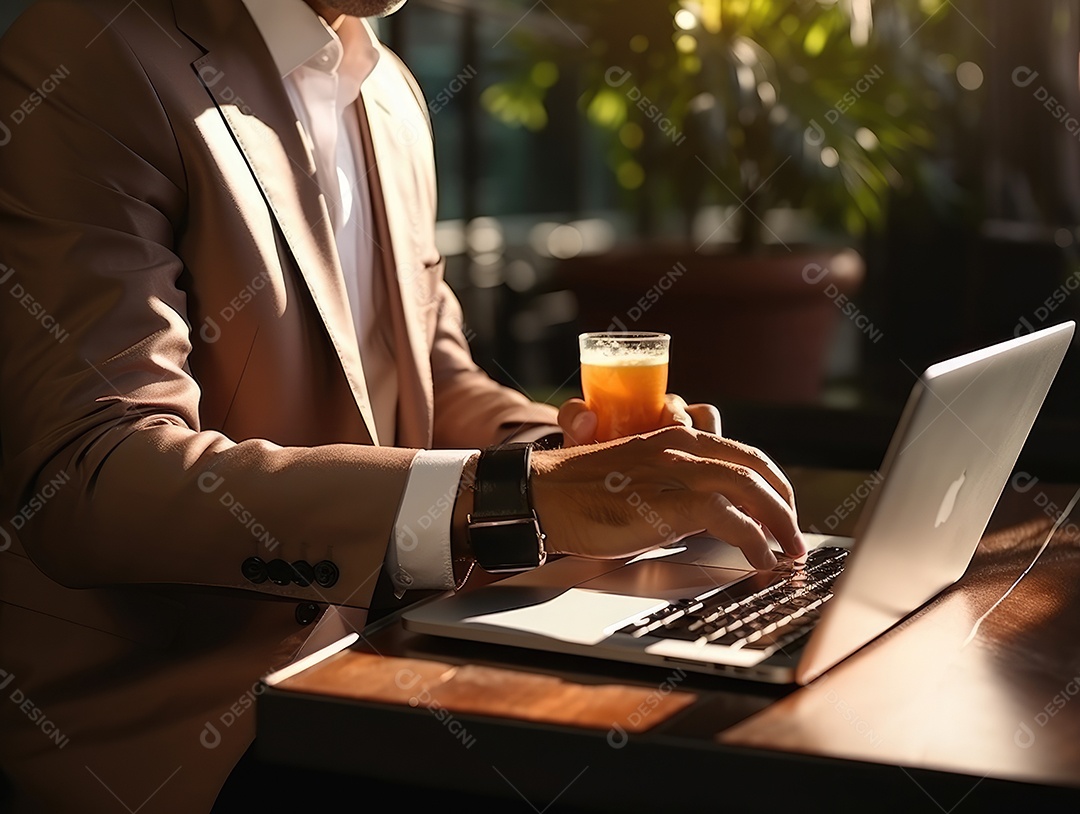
(624, 380)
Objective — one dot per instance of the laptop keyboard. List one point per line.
(765, 612)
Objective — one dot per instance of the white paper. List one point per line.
(578, 615)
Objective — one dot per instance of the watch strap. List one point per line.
(504, 531)
(502, 482)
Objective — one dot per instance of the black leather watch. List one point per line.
(504, 531)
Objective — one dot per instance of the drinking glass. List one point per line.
(624, 379)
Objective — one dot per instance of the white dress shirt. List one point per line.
(323, 69)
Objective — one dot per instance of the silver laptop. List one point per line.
(698, 605)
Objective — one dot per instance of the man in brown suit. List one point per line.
(200, 467)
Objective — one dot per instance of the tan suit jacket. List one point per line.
(182, 391)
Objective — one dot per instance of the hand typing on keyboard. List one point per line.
(621, 498)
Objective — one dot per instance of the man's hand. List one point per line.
(579, 422)
(631, 495)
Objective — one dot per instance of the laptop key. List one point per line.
(639, 630)
(681, 633)
(777, 615)
(709, 623)
(713, 616)
(779, 638)
(729, 638)
(680, 623)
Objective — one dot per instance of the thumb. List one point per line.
(578, 423)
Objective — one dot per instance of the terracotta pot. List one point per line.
(746, 327)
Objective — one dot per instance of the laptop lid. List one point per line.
(949, 460)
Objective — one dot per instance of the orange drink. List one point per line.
(624, 380)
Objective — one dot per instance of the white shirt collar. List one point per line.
(295, 35)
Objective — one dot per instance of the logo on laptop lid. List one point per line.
(949, 501)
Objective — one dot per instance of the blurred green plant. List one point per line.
(827, 106)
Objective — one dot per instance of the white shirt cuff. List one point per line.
(419, 558)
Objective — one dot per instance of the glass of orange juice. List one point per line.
(624, 379)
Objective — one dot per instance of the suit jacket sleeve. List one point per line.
(472, 410)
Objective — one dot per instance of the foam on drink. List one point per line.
(601, 355)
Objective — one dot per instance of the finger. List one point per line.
(675, 412)
(578, 423)
(749, 536)
(725, 521)
(705, 417)
(786, 555)
(699, 416)
(756, 499)
(716, 447)
(747, 490)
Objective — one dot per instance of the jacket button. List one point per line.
(303, 573)
(326, 573)
(254, 570)
(280, 572)
(306, 613)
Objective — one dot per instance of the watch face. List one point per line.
(505, 546)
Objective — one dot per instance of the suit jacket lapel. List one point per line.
(239, 73)
(414, 415)
(395, 138)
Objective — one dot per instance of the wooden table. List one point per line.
(944, 712)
